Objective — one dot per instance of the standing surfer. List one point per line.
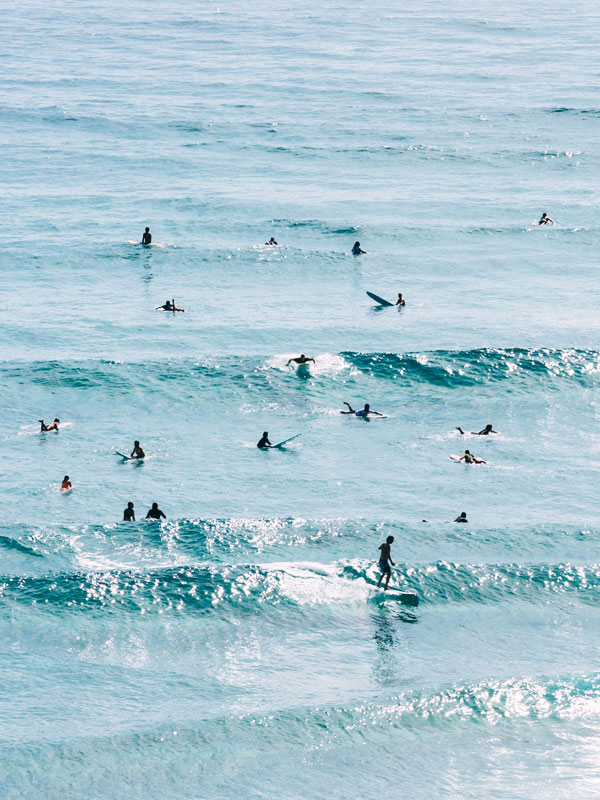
(385, 559)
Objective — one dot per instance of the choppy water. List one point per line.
(237, 650)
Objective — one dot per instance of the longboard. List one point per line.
(454, 457)
(408, 598)
(285, 441)
(379, 300)
(130, 241)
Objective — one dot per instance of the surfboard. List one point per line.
(379, 300)
(67, 491)
(407, 598)
(61, 425)
(285, 441)
(123, 456)
(130, 241)
(454, 457)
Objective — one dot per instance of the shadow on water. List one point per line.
(385, 619)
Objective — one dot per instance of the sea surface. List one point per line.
(238, 649)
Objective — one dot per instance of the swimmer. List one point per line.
(169, 306)
(155, 512)
(66, 483)
(137, 451)
(357, 249)
(363, 412)
(302, 359)
(129, 513)
(146, 237)
(264, 441)
(487, 430)
(52, 427)
(462, 517)
(469, 458)
(400, 301)
(385, 559)
(546, 220)
(272, 241)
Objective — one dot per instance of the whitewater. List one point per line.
(238, 648)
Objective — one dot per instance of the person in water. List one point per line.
(363, 412)
(147, 236)
(385, 560)
(469, 458)
(357, 249)
(546, 220)
(66, 483)
(302, 359)
(137, 451)
(485, 432)
(271, 241)
(155, 512)
(264, 441)
(462, 517)
(400, 301)
(129, 513)
(52, 427)
(169, 306)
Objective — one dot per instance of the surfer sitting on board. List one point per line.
(155, 512)
(272, 241)
(469, 458)
(546, 220)
(357, 249)
(488, 429)
(66, 484)
(169, 306)
(146, 237)
(264, 441)
(385, 559)
(129, 513)
(302, 359)
(462, 517)
(400, 301)
(52, 427)
(137, 451)
(363, 412)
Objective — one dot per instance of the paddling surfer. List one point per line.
(385, 560)
(546, 220)
(363, 412)
(169, 306)
(302, 359)
(485, 432)
(462, 517)
(52, 427)
(469, 458)
(357, 249)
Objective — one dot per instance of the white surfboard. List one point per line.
(130, 241)
(123, 456)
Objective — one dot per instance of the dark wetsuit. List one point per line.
(129, 515)
(155, 513)
(146, 238)
(264, 442)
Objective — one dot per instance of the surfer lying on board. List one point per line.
(385, 559)
(469, 458)
(400, 301)
(357, 249)
(264, 441)
(363, 412)
(462, 517)
(52, 427)
(302, 359)
(546, 220)
(169, 306)
(488, 429)
(137, 451)
(146, 237)
(272, 241)
(155, 512)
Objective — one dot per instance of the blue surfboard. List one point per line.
(379, 300)
(285, 441)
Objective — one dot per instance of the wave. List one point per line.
(292, 586)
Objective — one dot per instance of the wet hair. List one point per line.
(130, 504)
(356, 244)
(136, 443)
(302, 355)
(154, 505)
(463, 514)
(389, 539)
(66, 478)
(147, 229)
(265, 433)
(468, 451)
(367, 406)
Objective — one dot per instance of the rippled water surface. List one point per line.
(238, 648)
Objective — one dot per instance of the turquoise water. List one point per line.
(237, 648)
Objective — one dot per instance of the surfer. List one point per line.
(462, 517)
(264, 441)
(52, 427)
(169, 306)
(487, 430)
(400, 301)
(357, 249)
(302, 359)
(363, 412)
(546, 220)
(146, 237)
(469, 458)
(137, 451)
(66, 484)
(385, 559)
(272, 241)
(129, 513)
(155, 512)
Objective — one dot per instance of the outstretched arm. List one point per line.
(289, 362)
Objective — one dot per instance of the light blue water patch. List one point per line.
(240, 648)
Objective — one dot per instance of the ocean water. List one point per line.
(238, 649)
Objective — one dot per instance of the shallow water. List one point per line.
(238, 648)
